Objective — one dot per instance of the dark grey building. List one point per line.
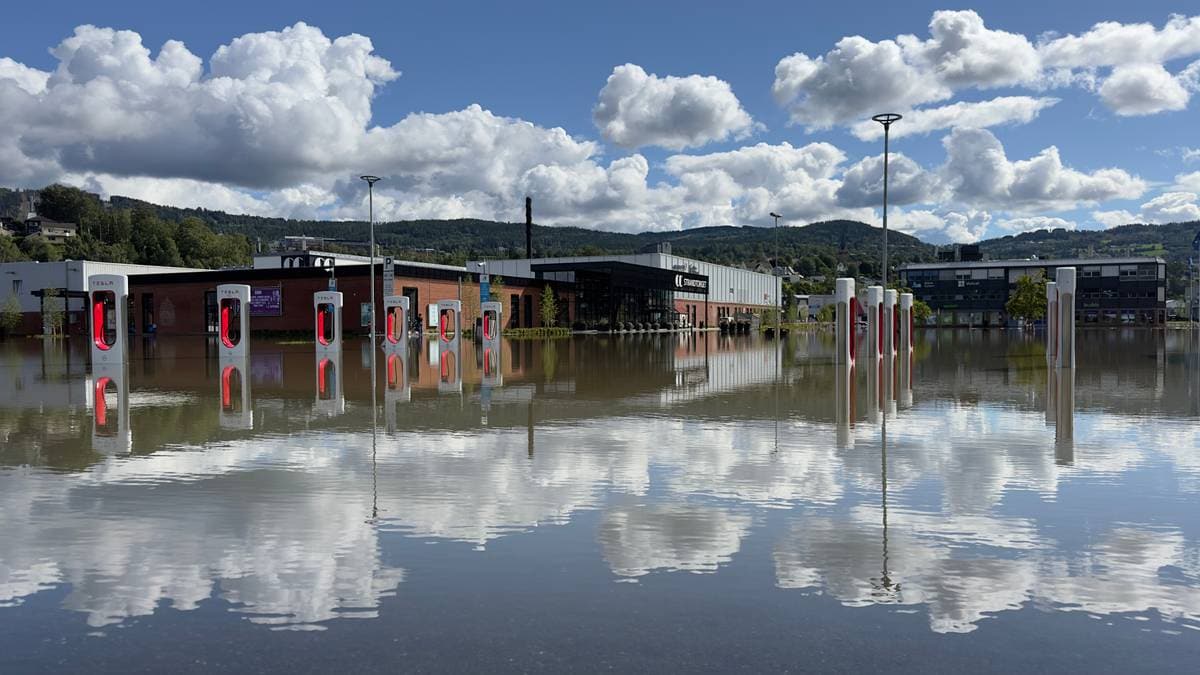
(1111, 291)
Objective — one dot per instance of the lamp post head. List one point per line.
(371, 180)
(886, 119)
(775, 215)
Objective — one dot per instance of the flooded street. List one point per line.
(641, 502)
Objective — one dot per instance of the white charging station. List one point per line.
(847, 307)
(327, 326)
(1065, 285)
(906, 324)
(491, 312)
(449, 320)
(108, 300)
(233, 306)
(875, 320)
(395, 318)
(1051, 322)
(890, 320)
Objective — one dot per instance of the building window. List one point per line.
(16, 286)
(514, 301)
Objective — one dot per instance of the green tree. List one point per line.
(40, 249)
(53, 311)
(1028, 301)
(827, 314)
(9, 251)
(154, 240)
(10, 314)
(920, 312)
(548, 308)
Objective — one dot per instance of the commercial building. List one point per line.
(1111, 291)
(655, 287)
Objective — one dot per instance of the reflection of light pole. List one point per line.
(886, 120)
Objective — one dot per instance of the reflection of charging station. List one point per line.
(233, 306)
(492, 377)
(111, 432)
(327, 306)
(236, 410)
(396, 389)
(330, 400)
(108, 300)
(395, 318)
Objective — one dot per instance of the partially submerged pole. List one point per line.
(1065, 285)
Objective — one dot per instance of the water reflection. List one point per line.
(967, 482)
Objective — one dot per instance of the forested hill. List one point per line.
(1172, 241)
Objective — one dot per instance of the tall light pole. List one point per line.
(371, 181)
(778, 284)
(886, 120)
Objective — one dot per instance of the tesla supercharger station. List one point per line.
(906, 324)
(111, 432)
(233, 307)
(327, 308)
(890, 321)
(847, 307)
(330, 400)
(490, 323)
(1051, 322)
(108, 298)
(875, 320)
(1065, 285)
(236, 409)
(449, 339)
(395, 326)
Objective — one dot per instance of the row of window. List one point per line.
(1143, 271)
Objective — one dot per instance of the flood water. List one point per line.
(635, 503)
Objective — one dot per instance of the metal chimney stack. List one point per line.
(529, 228)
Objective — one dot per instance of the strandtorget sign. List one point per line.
(692, 284)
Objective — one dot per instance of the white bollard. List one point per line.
(108, 301)
(395, 331)
(233, 307)
(875, 320)
(906, 324)
(1051, 322)
(890, 321)
(327, 326)
(1065, 284)
(847, 308)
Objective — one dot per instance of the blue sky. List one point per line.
(495, 82)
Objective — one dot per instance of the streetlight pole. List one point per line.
(886, 119)
(371, 180)
(778, 284)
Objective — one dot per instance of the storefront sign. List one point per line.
(691, 283)
(266, 301)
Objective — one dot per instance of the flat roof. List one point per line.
(1048, 262)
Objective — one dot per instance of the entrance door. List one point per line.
(414, 307)
(211, 324)
(148, 313)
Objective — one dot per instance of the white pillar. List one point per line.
(1066, 317)
(108, 302)
(875, 320)
(846, 306)
(906, 323)
(233, 332)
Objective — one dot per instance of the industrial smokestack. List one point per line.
(529, 228)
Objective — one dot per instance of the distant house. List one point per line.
(52, 230)
(8, 226)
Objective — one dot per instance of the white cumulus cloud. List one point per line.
(1143, 89)
(1032, 223)
(974, 114)
(638, 109)
(1168, 207)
